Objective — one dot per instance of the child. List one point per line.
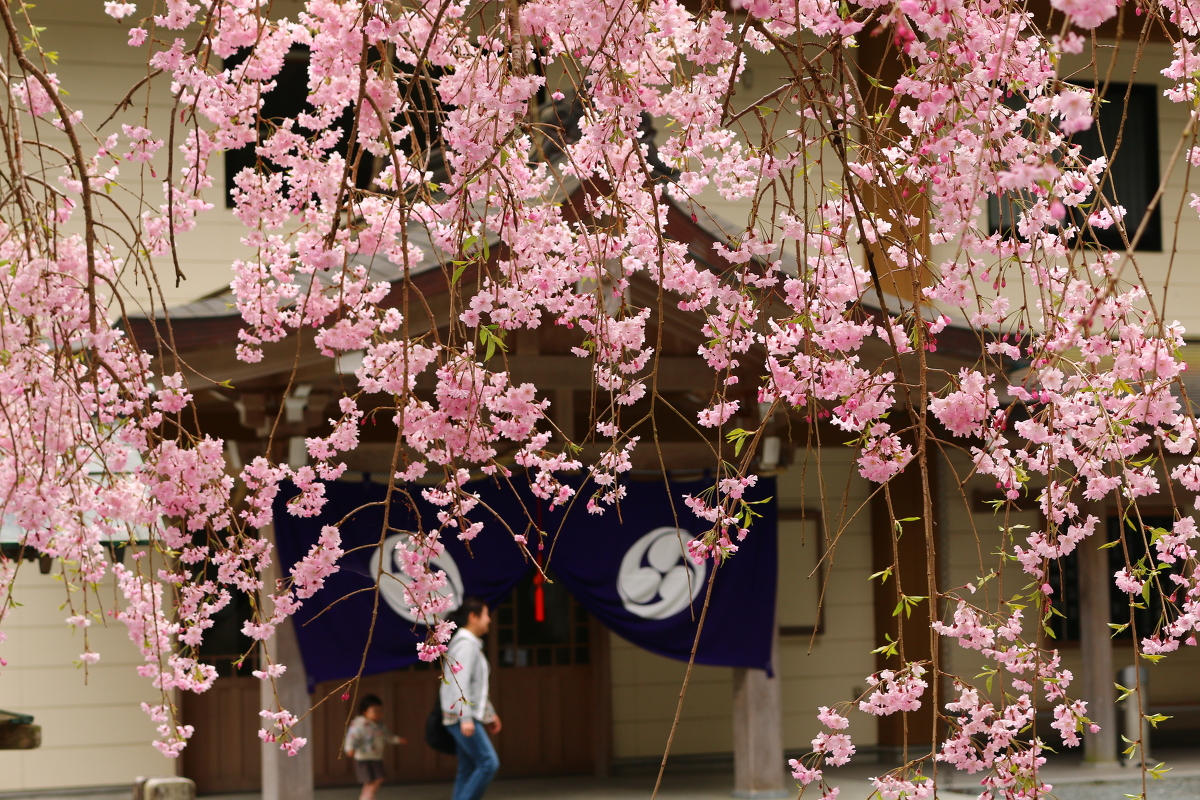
(364, 743)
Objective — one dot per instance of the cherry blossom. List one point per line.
(1073, 393)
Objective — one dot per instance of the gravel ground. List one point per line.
(1071, 781)
(1165, 789)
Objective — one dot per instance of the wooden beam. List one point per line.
(218, 361)
(562, 409)
(1095, 646)
(675, 373)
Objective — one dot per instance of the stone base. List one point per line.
(14, 736)
(169, 788)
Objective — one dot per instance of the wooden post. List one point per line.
(1095, 646)
(909, 734)
(286, 777)
(602, 711)
(758, 732)
(564, 412)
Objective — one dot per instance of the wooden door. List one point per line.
(408, 695)
(224, 754)
(542, 682)
(542, 685)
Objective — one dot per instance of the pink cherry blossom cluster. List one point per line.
(505, 151)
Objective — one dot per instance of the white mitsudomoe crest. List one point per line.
(392, 588)
(657, 579)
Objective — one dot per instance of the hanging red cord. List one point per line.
(539, 594)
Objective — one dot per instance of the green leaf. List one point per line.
(491, 340)
(458, 271)
(738, 438)
(888, 649)
(1110, 545)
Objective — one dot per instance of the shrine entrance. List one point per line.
(549, 685)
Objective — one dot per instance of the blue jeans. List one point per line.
(477, 762)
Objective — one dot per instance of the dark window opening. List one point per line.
(289, 98)
(1064, 579)
(224, 646)
(1131, 178)
(560, 638)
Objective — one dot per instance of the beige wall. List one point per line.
(968, 534)
(1147, 269)
(834, 668)
(96, 69)
(645, 690)
(1151, 269)
(94, 732)
(646, 686)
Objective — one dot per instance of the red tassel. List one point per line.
(539, 595)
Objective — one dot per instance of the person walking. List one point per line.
(364, 743)
(466, 710)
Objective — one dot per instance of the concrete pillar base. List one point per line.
(758, 733)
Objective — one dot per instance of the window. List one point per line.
(1131, 179)
(1065, 581)
(290, 97)
(798, 591)
(554, 630)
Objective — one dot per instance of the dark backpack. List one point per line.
(436, 735)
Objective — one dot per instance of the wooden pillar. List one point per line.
(286, 777)
(602, 715)
(906, 554)
(564, 411)
(1095, 646)
(758, 732)
(879, 67)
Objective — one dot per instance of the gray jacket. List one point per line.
(465, 693)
